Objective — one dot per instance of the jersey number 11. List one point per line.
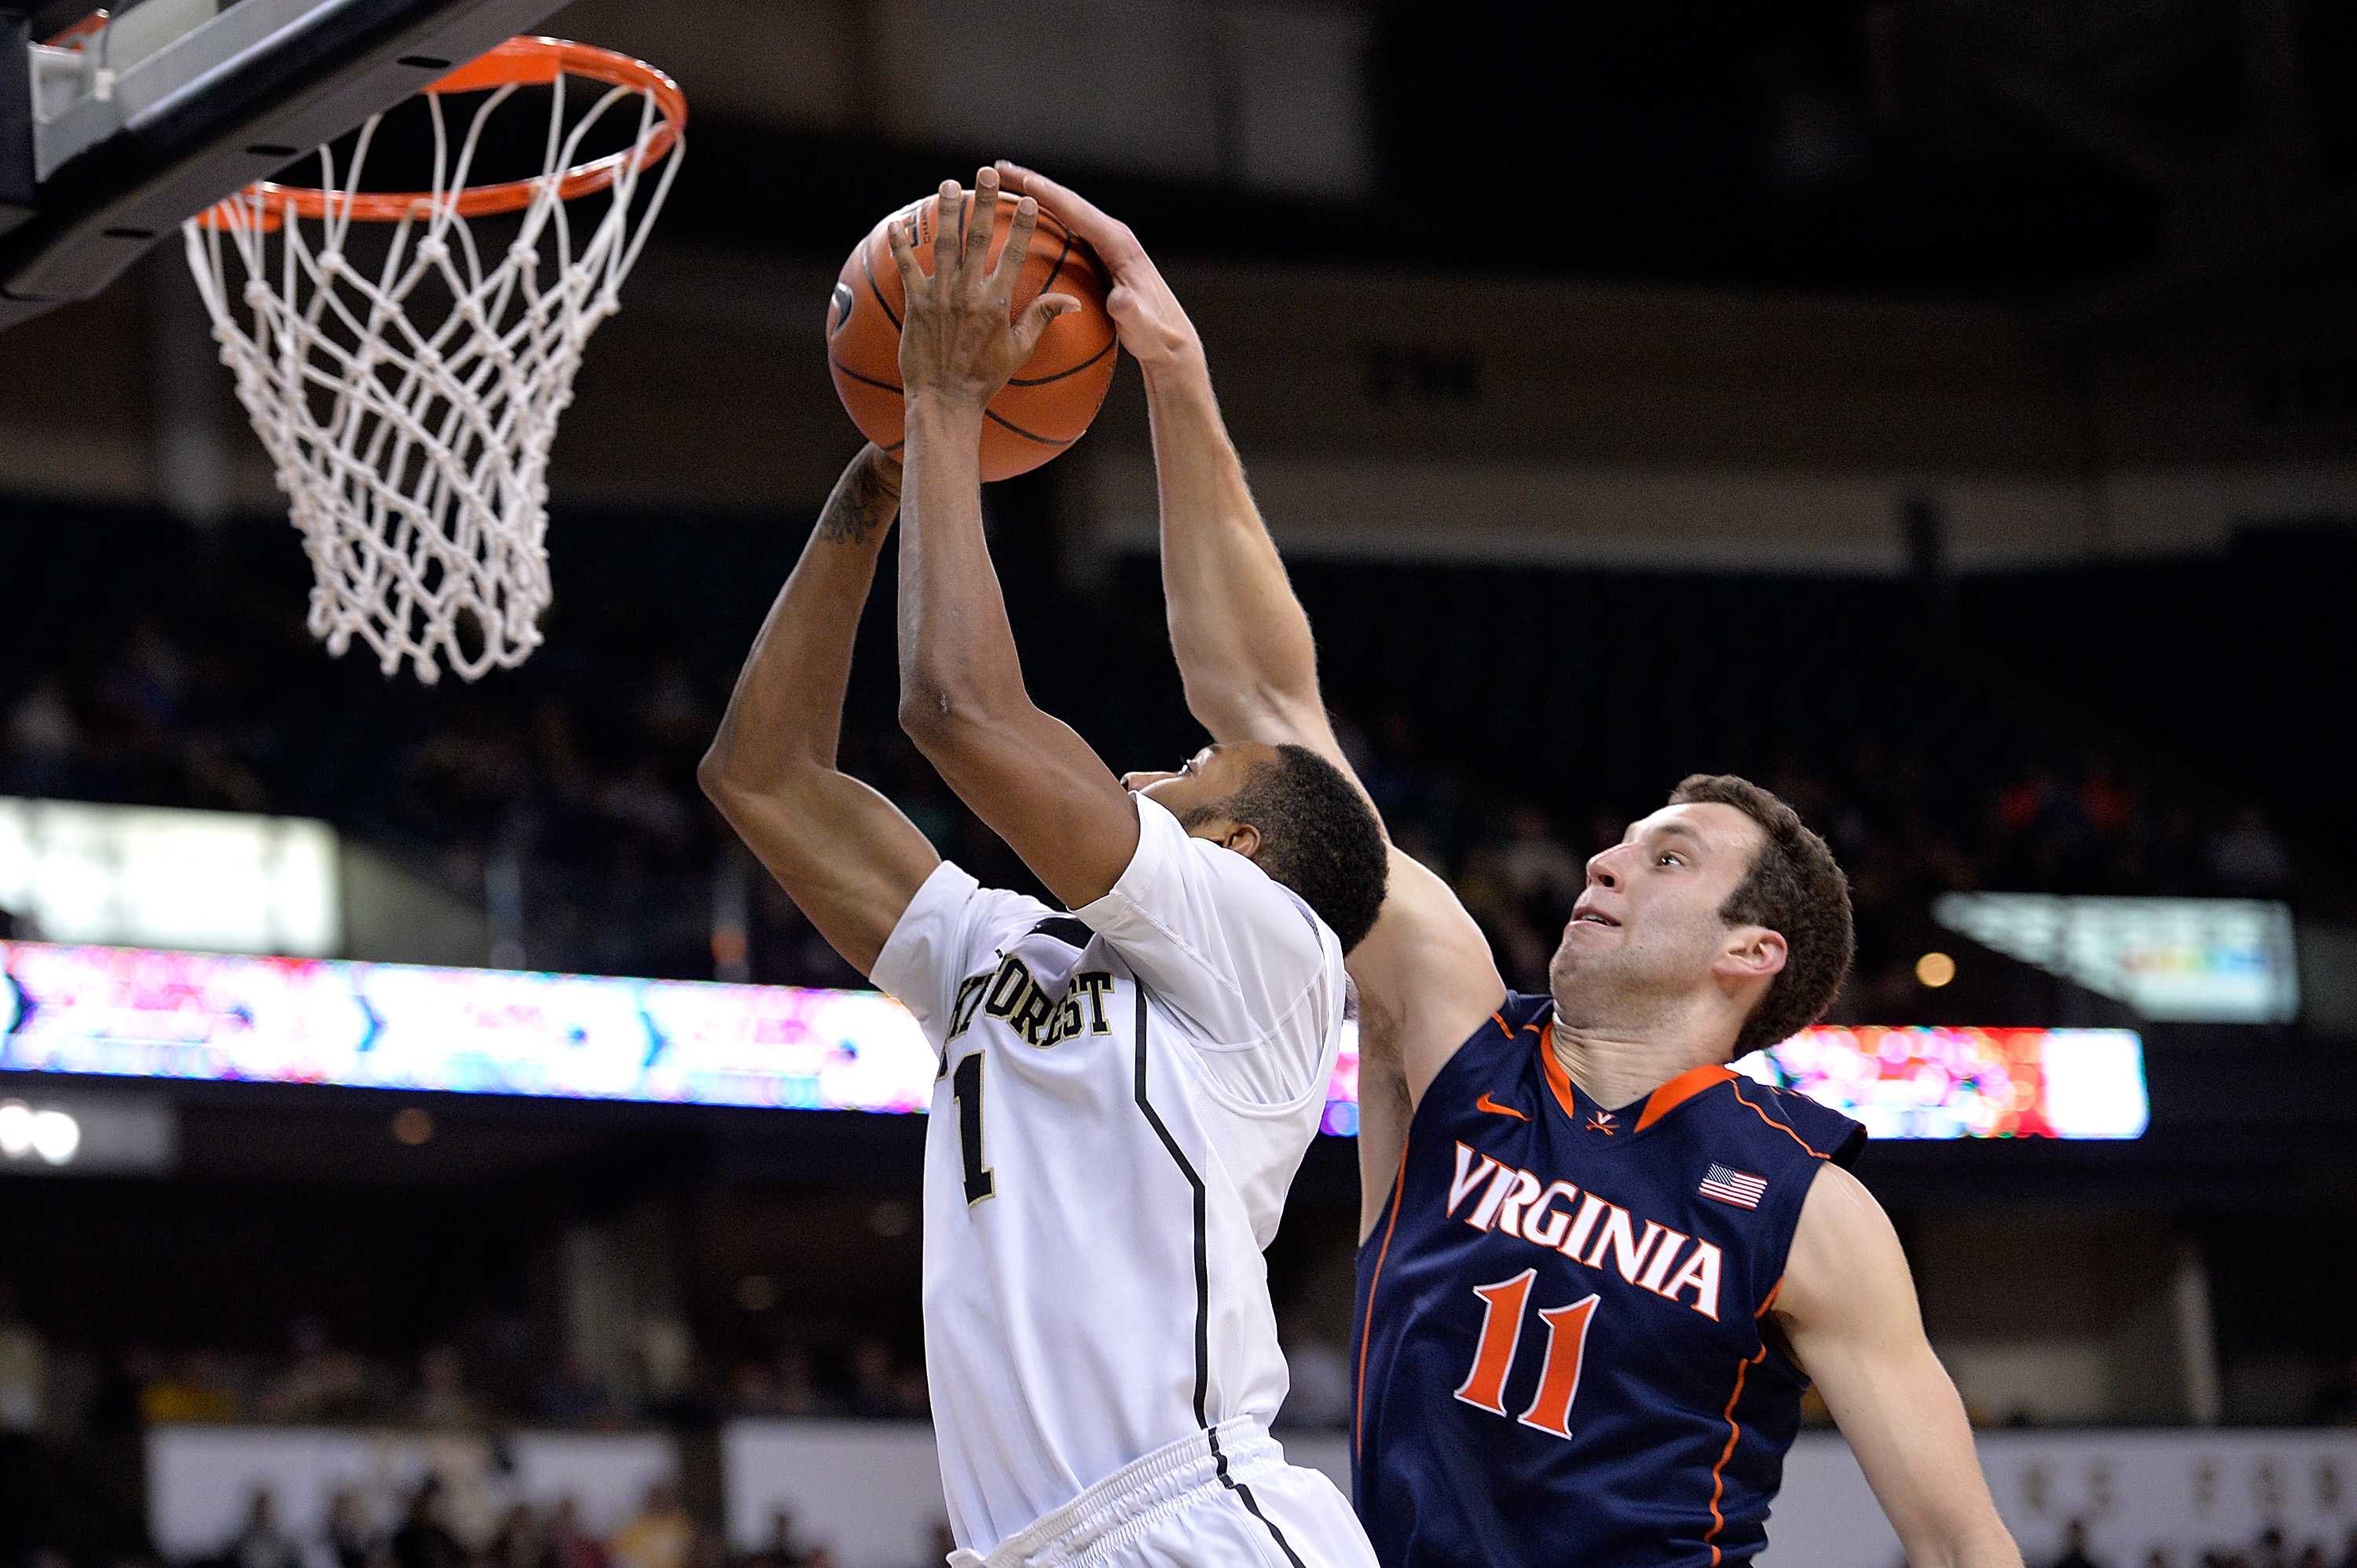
(1501, 1331)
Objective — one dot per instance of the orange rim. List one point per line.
(520, 62)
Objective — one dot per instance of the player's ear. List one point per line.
(1243, 838)
(1752, 952)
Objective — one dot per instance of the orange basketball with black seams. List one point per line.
(1045, 407)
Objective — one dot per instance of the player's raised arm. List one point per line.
(1425, 976)
(1847, 1304)
(963, 700)
(1243, 640)
(844, 852)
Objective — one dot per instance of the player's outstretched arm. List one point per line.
(963, 700)
(844, 852)
(1848, 1305)
(1243, 644)
(1425, 976)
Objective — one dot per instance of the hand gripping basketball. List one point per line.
(960, 339)
(1153, 324)
(1048, 404)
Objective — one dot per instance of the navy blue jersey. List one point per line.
(1558, 1345)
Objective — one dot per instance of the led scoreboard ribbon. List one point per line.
(136, 1012)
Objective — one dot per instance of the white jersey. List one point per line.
(1124, 1094)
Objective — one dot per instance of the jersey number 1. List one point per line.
(1501, 1331)
(965, 1088)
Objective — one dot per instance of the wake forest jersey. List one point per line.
(1559, 1339)
(1124, 1094)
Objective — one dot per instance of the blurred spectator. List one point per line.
(520, 1541)
(671, 710)
(2349, 1551)
(753, 1389)
(197, 1388)
(2312, 1557)
(2246, 858)
(872, 1389)
(574, 1394)
(23, 1368)
(944, 1544)
(1537, 865)
(569, 1545)
(2075, 1547)
(1317, 1372)
(707, 1548)
(784, 1548)
(2336, 1405)
(658, 1537)
(319, 1383)
(2272, 1551)
(44, 741)
(911, 1399)
(261, 1543)
(797, 1392)
(442, 1399)
(424, 1539)
(351, 1540)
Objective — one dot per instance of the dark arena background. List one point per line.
(1943, 411)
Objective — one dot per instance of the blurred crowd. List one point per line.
(579, 775)
(316, 1379)
(2273, 1549)
(424, 1531)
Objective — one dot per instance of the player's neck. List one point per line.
(1616, 1065)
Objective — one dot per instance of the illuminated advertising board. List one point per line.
(134, 1012)
(219, 1017)
(1968, 1083)
(2211, 960)
(220, 880)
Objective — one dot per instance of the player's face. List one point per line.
(1647, 921)
(1192, 792)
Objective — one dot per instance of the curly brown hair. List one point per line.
(1794, 889)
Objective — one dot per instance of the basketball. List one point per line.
(1048, 405)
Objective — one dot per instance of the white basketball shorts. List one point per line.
(1221, 1498)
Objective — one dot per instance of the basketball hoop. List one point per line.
(414, 452)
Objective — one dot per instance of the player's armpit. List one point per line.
(1425, 969)
(1384, 1112)
(1848, 1306)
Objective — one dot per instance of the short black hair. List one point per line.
(1796, 889)
(1318, 836)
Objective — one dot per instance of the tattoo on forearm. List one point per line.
(861, 504)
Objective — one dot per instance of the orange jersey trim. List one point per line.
(1658, 1104)
(1718, 1471)
(1773, 1123)
(1680, 1090)
(1367, 1329)
(1557, 1079)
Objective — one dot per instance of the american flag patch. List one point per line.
(1733, 1187)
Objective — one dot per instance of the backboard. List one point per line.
(115, 128)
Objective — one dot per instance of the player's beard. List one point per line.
(1647, 979)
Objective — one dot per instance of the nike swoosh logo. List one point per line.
(1495, 1109)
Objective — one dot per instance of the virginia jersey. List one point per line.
(1558, 1339)
(1124, 1094)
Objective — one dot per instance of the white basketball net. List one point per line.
(415, 452)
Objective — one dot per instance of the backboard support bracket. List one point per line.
(18, 196)
(105, 207)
